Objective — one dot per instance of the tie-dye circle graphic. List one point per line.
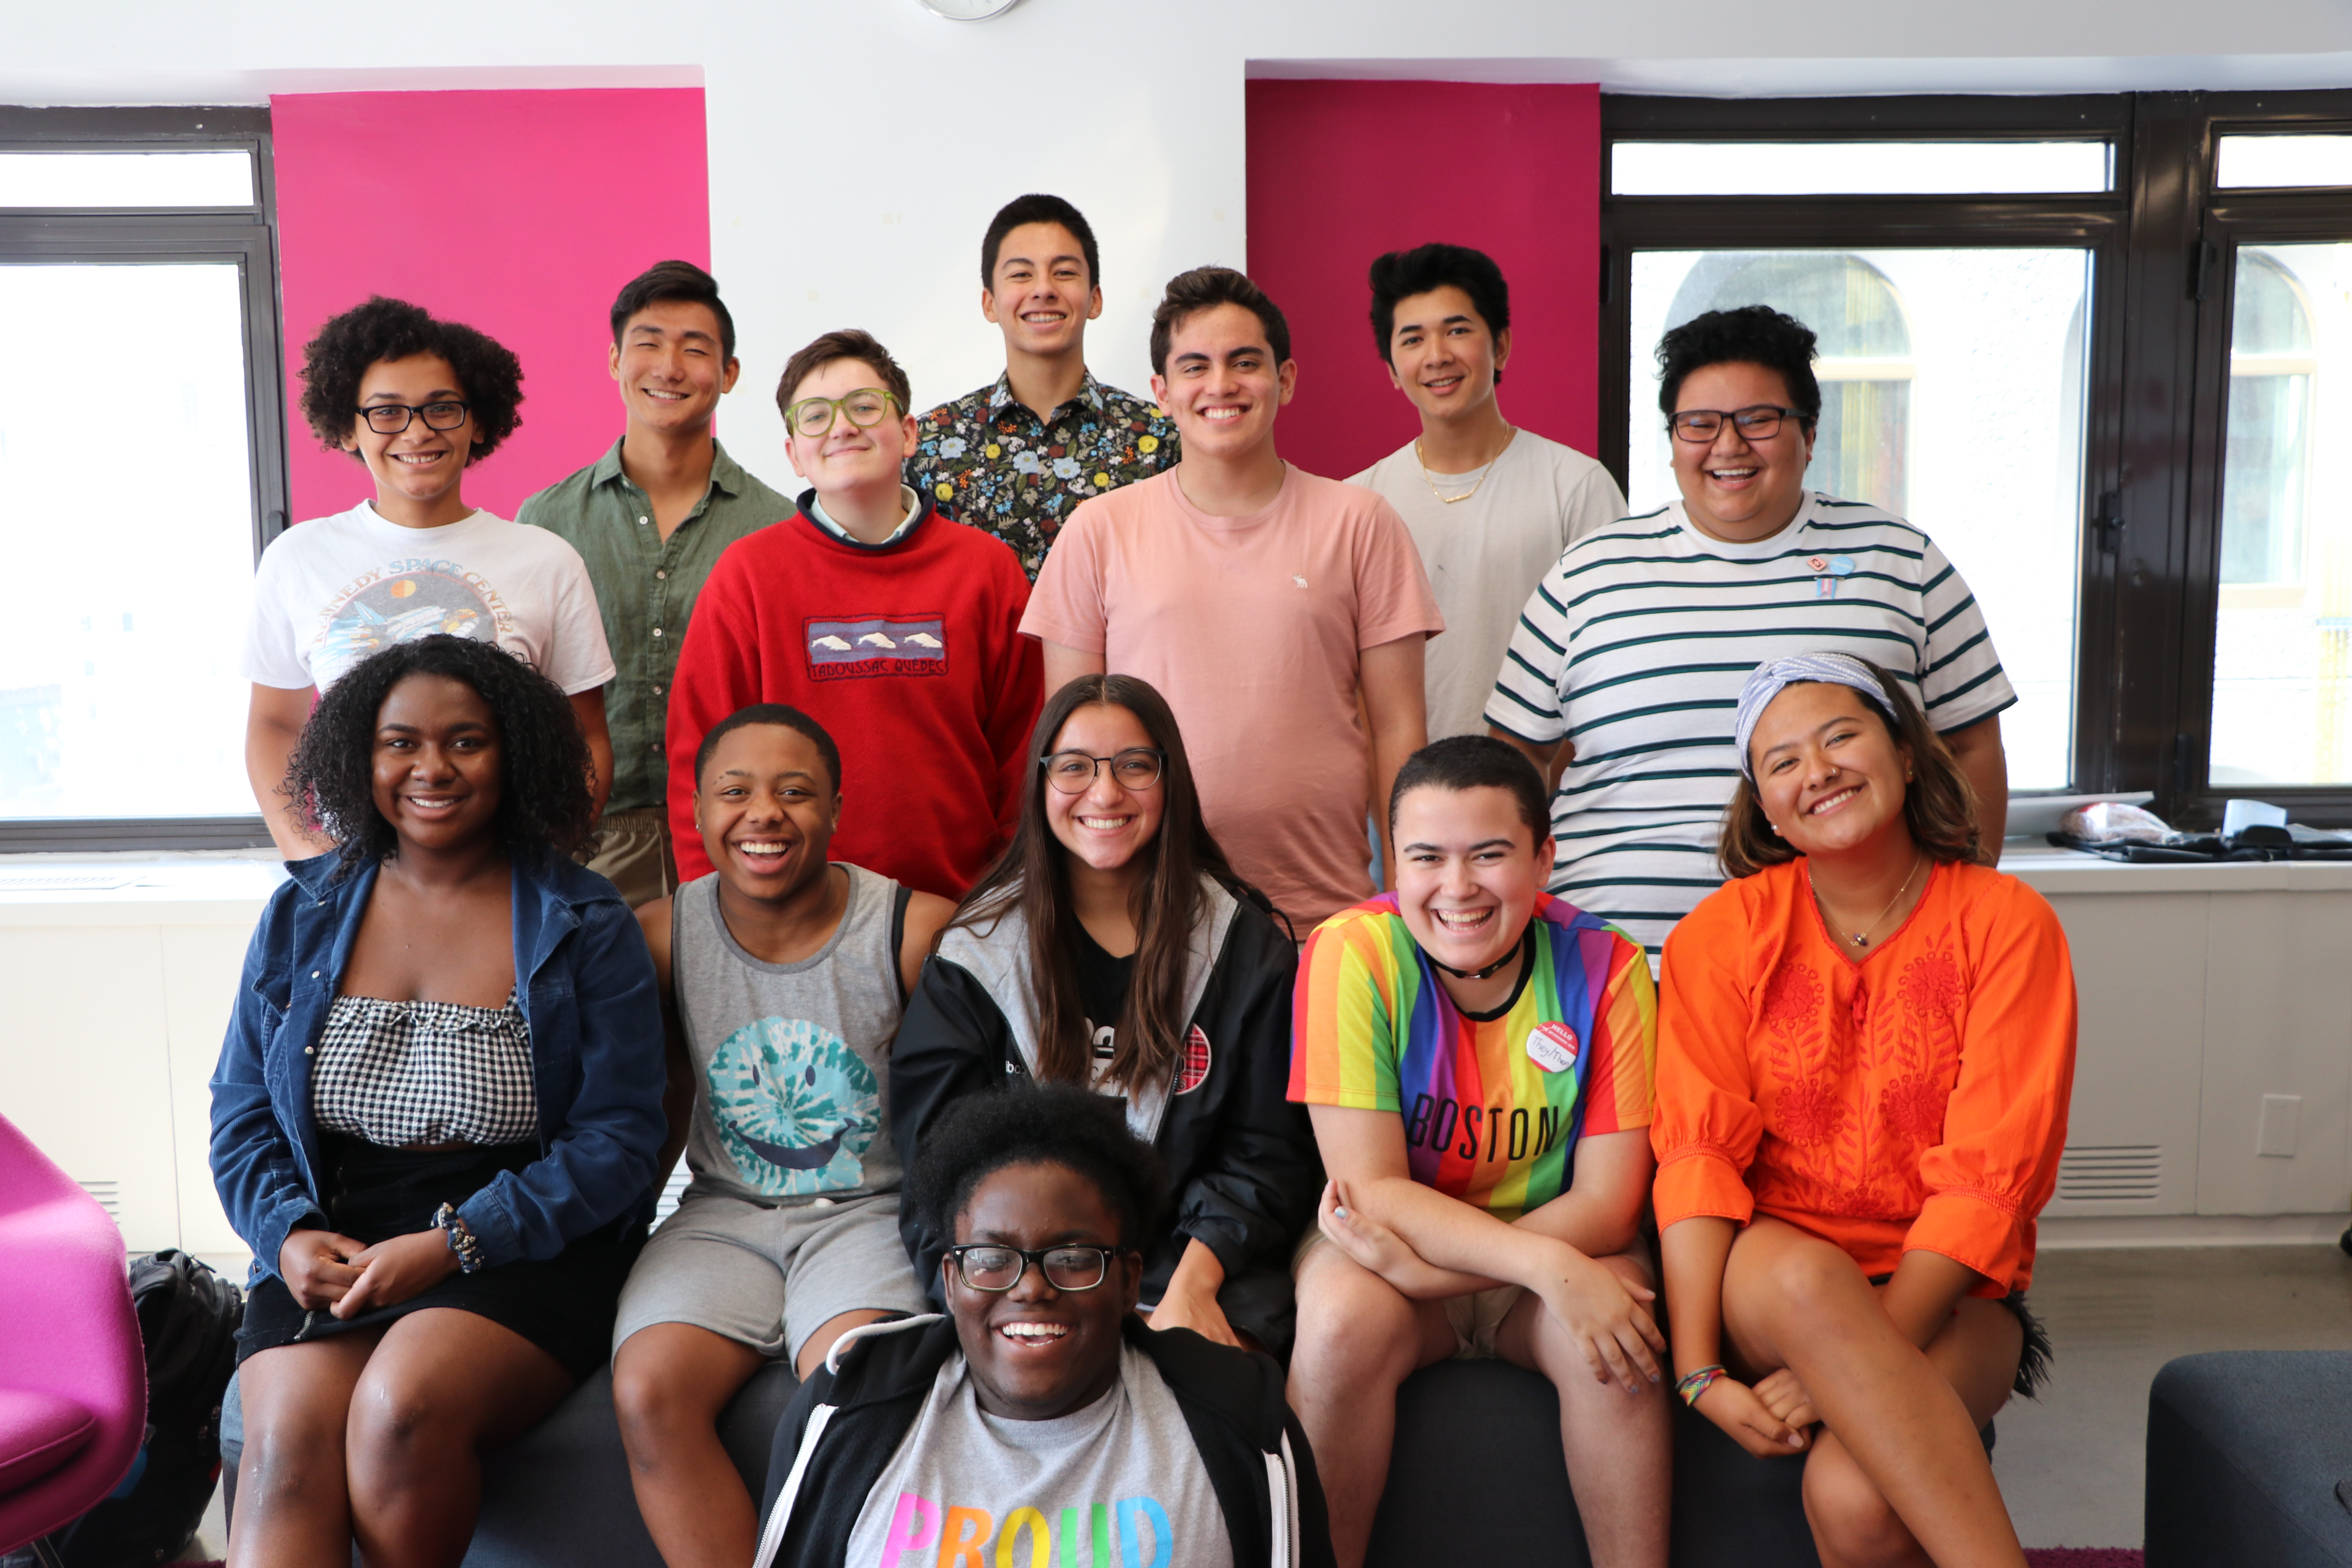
(796, 1107)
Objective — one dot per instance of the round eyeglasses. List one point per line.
(985, 1266)
(392, 418)
(866, 408)
(1759, 422)
(1074, 773)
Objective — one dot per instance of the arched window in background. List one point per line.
(2266, 478)
(1863, 449)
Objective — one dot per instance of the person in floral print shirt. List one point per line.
(1016, 457)
(1865, 1055)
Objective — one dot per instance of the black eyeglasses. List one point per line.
(392, 418)
(1074, 773)
(1760, 422)
(985, 1266)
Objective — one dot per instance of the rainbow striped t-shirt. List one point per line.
(1486, 1119)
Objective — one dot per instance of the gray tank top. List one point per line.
(792, 1059)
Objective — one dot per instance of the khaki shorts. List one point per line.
(1474, 1318)
(631, 850)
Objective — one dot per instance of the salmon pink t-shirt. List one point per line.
(1252, 627)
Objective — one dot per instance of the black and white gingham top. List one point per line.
(405, 1073)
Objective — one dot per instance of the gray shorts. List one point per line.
(769, 1277)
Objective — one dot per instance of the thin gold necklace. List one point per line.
(1465, 495)
(1861, 937)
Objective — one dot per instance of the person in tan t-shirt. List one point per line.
(1282, 615)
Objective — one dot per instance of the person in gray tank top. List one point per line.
(783, 977)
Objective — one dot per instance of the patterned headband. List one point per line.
(1768, 679)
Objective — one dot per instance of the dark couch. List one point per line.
(2249, 1461)
(1478, 1477)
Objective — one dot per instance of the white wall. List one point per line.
(1132, 108)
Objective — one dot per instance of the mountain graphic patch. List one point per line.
(875, 645)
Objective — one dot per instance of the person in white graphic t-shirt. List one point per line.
(418, 401)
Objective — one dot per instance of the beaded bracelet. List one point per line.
(1698, 1381)
(462, 1240)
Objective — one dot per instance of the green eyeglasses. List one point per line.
(867, 408)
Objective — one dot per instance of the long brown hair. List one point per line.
(1033, 876)
(1939, 805)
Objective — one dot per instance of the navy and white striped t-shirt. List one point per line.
(1634, 646)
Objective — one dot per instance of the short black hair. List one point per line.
(1476, 762)
(1204, 288)
(545, 806)
(1037, 207)
(1402, 274)
(336, 360)
(1752, 334)
(1037, 1124)
(774, 713)
(673, 281)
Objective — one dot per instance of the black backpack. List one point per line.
(188, 1319)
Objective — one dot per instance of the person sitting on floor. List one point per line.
(1476, 1056)
(1042, 1419)
(1113, 947)
(784, 976)
(436, 1112)
(1863, 1083)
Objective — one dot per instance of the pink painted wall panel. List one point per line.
(1341, 170)
(519, 213)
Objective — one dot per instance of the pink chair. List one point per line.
(73, 1379)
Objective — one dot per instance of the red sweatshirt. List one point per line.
(908, 653)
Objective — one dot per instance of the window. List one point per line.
(141, 465)
(2096, 347)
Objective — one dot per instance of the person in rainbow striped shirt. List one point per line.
(1478, 1058)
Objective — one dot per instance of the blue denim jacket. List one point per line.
(586, 983)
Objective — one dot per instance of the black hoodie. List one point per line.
(847, 1420)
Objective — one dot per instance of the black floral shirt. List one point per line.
(987, 460)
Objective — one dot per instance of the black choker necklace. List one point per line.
(1493, 968)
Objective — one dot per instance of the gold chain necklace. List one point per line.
(1465, 495)
(1861, 937)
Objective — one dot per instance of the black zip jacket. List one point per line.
(1241, 1158)
(847, 1420)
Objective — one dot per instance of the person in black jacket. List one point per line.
(1042, 1419)
(1113, 947)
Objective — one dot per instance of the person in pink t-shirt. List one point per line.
(1281, 614)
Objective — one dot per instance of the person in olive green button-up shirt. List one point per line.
(650, 517)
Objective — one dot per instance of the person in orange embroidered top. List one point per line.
(1867, 1046)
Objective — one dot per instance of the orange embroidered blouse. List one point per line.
(1912, 1095)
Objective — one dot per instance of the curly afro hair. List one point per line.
(1037, 1124)
(1752, 334)
(334, 362)
(544, 798)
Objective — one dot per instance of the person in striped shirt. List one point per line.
(1478, 1057)
(1622, 679)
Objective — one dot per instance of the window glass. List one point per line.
(2283, 641)
(215, 178)
(1952, 395)
(128, 469)
(1857, 168)
(2284, 161)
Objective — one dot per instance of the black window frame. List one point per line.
(159, 235)
(2155, 373)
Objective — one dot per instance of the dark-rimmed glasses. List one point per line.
(1074, 773)
(985, 1266)
(392, 418)
(1758, 422)
(867, 408)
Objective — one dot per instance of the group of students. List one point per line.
(950, 929)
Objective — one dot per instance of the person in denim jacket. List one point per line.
(437, 1117)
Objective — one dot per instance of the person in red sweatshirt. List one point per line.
(889, 623)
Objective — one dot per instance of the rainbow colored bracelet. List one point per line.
(1693, 1383)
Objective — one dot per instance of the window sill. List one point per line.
(152, 889)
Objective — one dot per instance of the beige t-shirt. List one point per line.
(1485, 554)
(1251, 628)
